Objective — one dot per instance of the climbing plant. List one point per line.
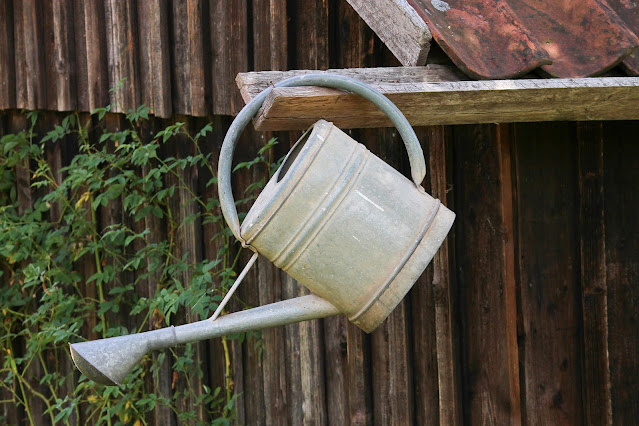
(66, 276)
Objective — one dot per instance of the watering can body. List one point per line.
(346, 225)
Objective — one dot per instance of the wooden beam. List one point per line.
(435, 95)
(399, 26)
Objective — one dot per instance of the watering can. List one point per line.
(335, 217)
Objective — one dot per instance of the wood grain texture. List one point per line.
(229, 46)
(252, 83)
(31, 82)
(392, 375)
(621, 174)
(461, 102)
(188, 246)
(270, 36)
(122, 52)
(486, 282)
(399, 27)
(444, 294)
(90, 39)
(59, 47)
(154, 62)
(548, 270)
(188, 63)
(273, 343)
(7, 62)
(596, 367)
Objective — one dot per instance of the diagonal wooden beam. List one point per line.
(436, 95)
(399, 26)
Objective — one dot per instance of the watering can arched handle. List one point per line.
(415, 153)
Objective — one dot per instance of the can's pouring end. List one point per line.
(108, 361)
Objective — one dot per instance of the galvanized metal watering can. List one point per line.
(337, 218)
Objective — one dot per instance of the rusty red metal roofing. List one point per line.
(507, 38)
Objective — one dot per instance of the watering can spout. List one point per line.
(108, 361)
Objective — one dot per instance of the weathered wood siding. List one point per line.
(528, 314)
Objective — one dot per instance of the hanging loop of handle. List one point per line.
(415, 153)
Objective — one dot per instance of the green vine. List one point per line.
(50, 239)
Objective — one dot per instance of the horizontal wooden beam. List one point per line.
(426, 98)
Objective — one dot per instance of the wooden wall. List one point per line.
(528, 313)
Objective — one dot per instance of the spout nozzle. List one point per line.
(88, 369)
(108, 361)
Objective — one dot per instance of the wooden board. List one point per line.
(229, 53)
(548, 273)
(399, 27)
(621, 199)
(270, 43)
(187, 62)
(59, 55)
(458, 102)
(155, 74)
(486, 280)
(444, 291)
(90, 42)
(596, 367)
(7, 62)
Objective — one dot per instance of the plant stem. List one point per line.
(227, 375)
(98, 266)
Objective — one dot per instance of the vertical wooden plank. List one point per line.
(310, 32)
(337, 369)
(187, 59)
(392, 375)
(58, 359)
(548, 258)
(274, 371)
(197, 78)
(486, 282)
(621, 198)
(188, 246)
(147, 287)
(59, 46)
(304, 365)
(180, 65)
(80, 43)
(122, 54)
(30, 75)
(32, 371)
(229, 44)
(7, 63)
(18, 123)
(11, 412)
(212, 242)
(596, 368)
(269, 35)
(90, 41)
(447, 370)
(20, 56)
(248, 293)
(155, 74)
(294, 397)
(359, 376)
